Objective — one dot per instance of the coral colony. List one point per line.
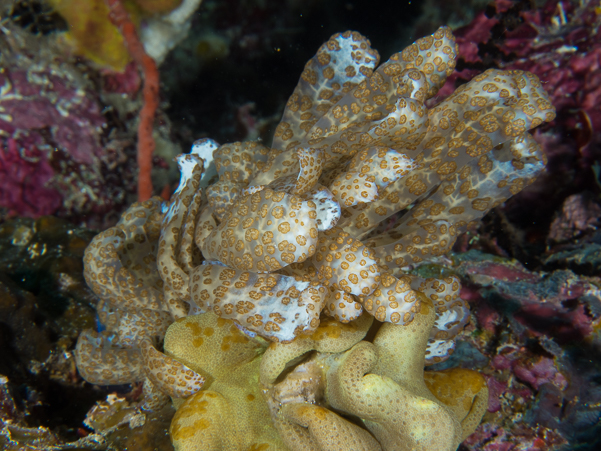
(279, 281)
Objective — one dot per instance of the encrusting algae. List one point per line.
(279, 281)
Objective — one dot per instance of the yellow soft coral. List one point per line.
(94, 36)
(224, 415)
(91, 32)
(393, 399)
(231, 412)
(381, 383)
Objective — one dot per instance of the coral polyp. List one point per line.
(280, 281)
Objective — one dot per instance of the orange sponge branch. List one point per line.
(150, 91)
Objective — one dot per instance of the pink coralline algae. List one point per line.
(49, 123)
(536, 339)
(496, 438)
(128, 82)
(558, 42)
(26, 175)
(541, 372)
(561, 44)
(546, 303)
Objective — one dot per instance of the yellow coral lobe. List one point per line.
(225, 346)
(186, 422)
(196, 329)
(92, 33)
(320, 413)
(201, 424)
(182, 432)
(424, 305)
(330, 328)
(455, 387)
(258, 447)
(237, 336)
